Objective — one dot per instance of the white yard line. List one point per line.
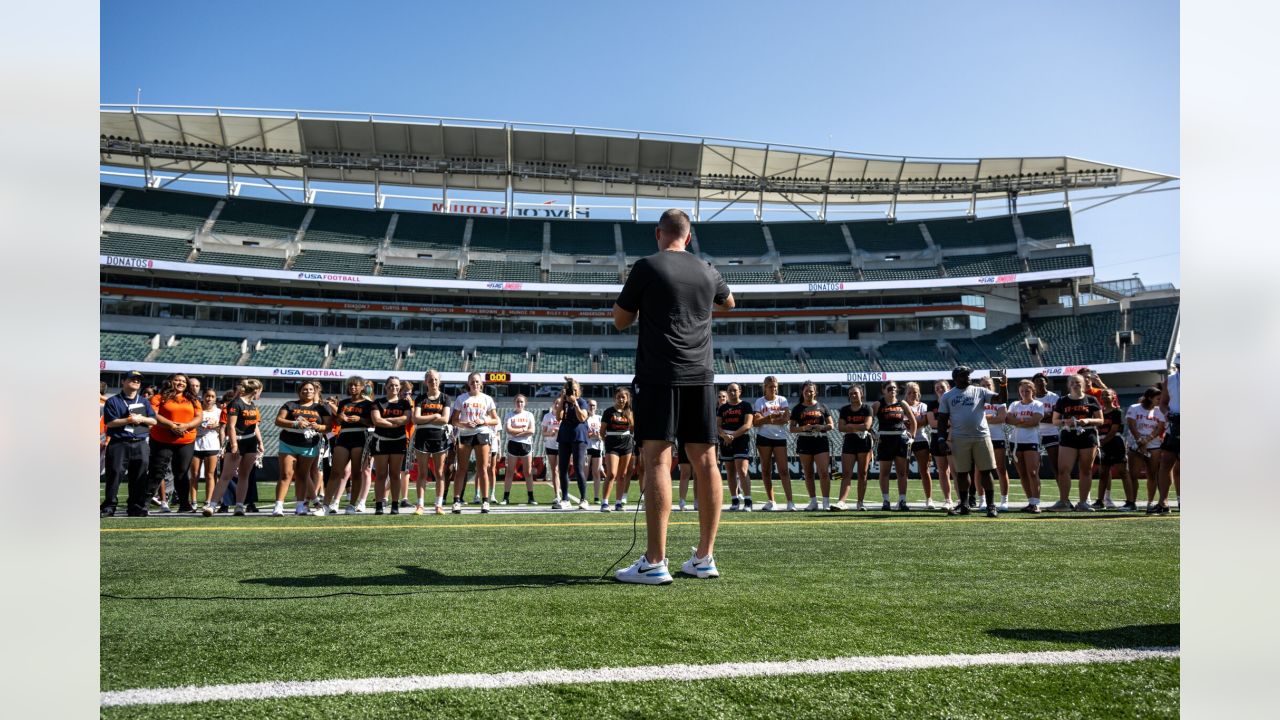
(416, 683)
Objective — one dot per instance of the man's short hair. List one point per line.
(674, 224)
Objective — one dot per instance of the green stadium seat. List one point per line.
(1062, 262)
(352, 356)
(505, 271)
(743, 276)
(564, 360)
(1083, 339)
(1004, 348)
(961, 233)
(729, 239)
(721, 363)
(429, 231)
(334, 262)
(164, 209)
(819, 272)
(583, 237)
(808, 238)
(638, 239)
(146, 246)
(880, 237)
(132, 347)
(924, 273)
(420, 271)
(503, 235)
(282, 353)
(587, 278)
(348, 226)
(763, 361)
(837, 360)
(268, 409)
(201, 351)
(497, 359)
(445, 358)
(260, 218)
(1047, 225)
(912, 356)
(271, 262)
(1155, 323)
(618, 361)
(979, 265)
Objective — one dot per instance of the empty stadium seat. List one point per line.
(1062, 262)
(165, 209)
(271, 262)
(421, 358)
(744, 276)
(429, 231)
(878, 236)
(764, 361)
(607, 278)
(979, 265)
(837, 360)
(912, 356)
(1047, 225)
(962, 233)
(564, 360)
(201, 351)
(808, 238)
(819, 272)
(503, 235)
(348, 226)
(1083, 339)
(282, 353)
(496, 359)
(146, 246)
(420, 271)
(638, 239)
(505, 271)
(334, 262)
(618, 361)
(260, 218)
(583, 237)
(729, 239)
(1005, 348)
(880, 273)
(133, 347)
(1155, 323)
(352, 356)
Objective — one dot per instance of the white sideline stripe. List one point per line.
(645, 673)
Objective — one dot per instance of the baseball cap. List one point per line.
(961, 371)
(133, 375)
(1039, 375)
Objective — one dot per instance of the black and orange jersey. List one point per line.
(1112, 418)
(809, 415)
(315, 412)
(734, 415)
(388, 409)
(1068, 407)
(615, 421)
(243, 416)
(432, 406)
(861, 415)
(360, 407)
(892, 417)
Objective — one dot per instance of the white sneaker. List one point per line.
(604, 507)
(928, 504)
(644, 573)
(1004, 506)
(278, 510)
(317, 511)
(680, 508)
(791, 507)
(362, 508)
(826, 503)
(484, 507)
(839, 506)
(946, 505)
(164, 507)
(701, 568)
(584, 505)
(300, 508)
(504, 501)
(813, 505)
(767, 507)
(351, 510)
(557, 505)
(239, 510)
(457, 508)
(332, 509)
(1109, 505)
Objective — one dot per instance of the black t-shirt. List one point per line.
(615, 420)
(1085, 407)
(388, 409)
(943, 419)
(1111, 418)
(432, 406)
(674, 292)
(848, 414)
(734, 415)
(892, 418)
(242, 416)
(315, 412)
(808, 415)
(359, 407)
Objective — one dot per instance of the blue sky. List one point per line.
(1097, 80)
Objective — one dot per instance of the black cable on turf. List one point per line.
(635, 535)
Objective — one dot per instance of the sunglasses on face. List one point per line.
(891, 388)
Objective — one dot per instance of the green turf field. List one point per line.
(398, 596)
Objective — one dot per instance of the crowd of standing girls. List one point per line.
(178, 435)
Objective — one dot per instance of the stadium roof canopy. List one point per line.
(511, 157)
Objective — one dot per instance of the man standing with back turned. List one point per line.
(674, 292)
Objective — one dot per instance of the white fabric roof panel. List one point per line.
(560, 160)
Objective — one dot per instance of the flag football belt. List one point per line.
(611, 433)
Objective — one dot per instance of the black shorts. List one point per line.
(684, 413)
(350, 440)
(997, 444)
(813, 444)
(474, 440)
(551, 451)
(739, 448)
(919, 446)
(1049, 441)
(938, 447)
(593, 452)
(205, 453)
(854, 445)
(519, 449)
(619, 445)
(768, 442)
(1026, 447)
(1079, 440)
(891, 448)
(390, 446)
(682, 455)
(247, 446)
(1170, 443)
(1113, 453)
(429, 443)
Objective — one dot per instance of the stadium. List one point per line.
(290, 245)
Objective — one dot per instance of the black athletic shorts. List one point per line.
(997, 444)
(1170, 443)
(938, 447)
(619, 445)
(854, 445)
(390, 446)
(424, 442)
(739, 448)
(1079, 440)
(891, 447)
(246, 446)
(205, 453)
(1026, 447)
(519, 449)
(350, 440)
(813, 444)
(768, 442)
(920, 446)
(1049, 441)
(685, 413)
(1114, 452)
(551, 451)
(593, 452)
(480, 438)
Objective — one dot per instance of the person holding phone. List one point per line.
(572, 439)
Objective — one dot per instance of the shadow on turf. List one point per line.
(414, 576)
(1162, 635)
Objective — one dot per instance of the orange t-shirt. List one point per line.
(179, 410)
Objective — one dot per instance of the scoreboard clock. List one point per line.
(497, 377)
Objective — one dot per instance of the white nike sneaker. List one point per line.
(767, 507)
(278, 510)
(645, 573)
(681, 507)
(791, 507)
(300, 508)
(837, 505)
(813, 505)
(701, 568)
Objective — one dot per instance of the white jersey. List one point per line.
(1047, 428)
(473, 408)
(522, 423)
(921, 411)
(1174, 384)
(992, 409)
(550, 428)
(1146, 421)
(768, 407)
(207, 433)
(593, 426)
(1024, 411)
